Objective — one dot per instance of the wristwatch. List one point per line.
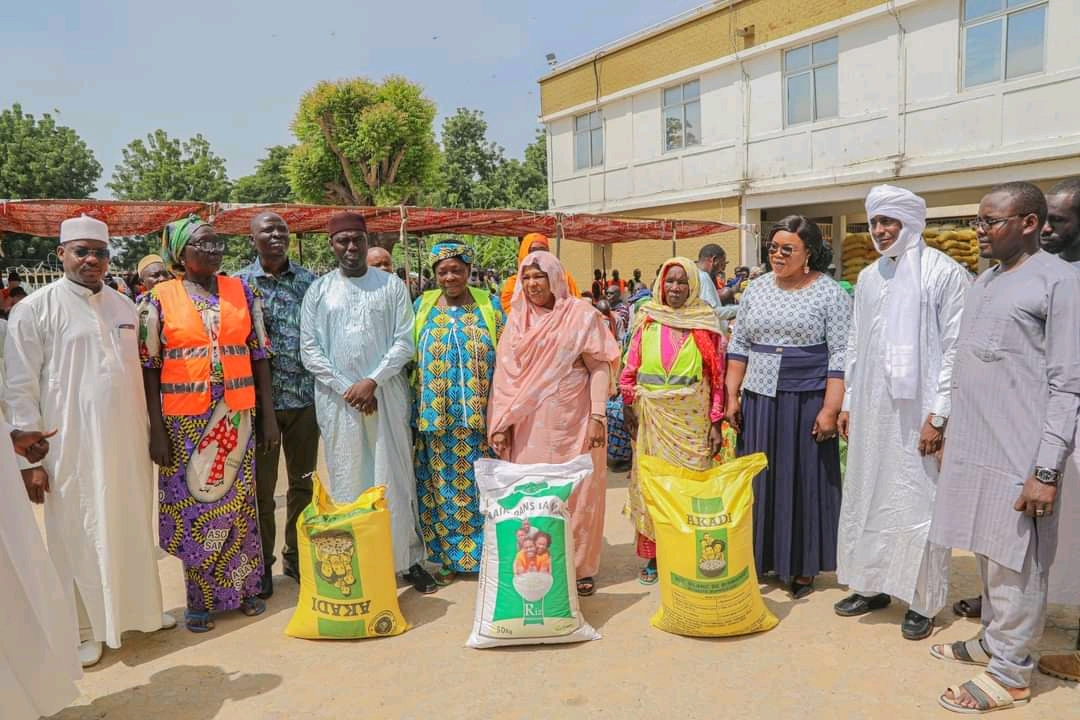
(938, 421)
(1047, 476)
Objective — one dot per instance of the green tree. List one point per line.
(363, 143)
(469, 161)
(269, 183)
(41, 159)
(164, 168)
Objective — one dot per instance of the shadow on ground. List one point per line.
(172, 688)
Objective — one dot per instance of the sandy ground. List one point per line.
(813, 662)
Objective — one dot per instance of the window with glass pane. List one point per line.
(1003, 39)
(588, 141)
(682, 116)
(811, 82)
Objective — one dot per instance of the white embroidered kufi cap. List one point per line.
(83, 227)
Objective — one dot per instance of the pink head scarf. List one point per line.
(539, 346)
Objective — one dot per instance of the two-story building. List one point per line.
(745, 111)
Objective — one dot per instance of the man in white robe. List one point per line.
(356, 335)
(899, 373)
(73, 364)
(38, 661)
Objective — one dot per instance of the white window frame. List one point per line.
(683, 102)
(810, 70)
(1003, 15)
(595, 122)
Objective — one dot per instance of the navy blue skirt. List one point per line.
(797, 498)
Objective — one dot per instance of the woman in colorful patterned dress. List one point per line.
(673, 388)
(457, 327)
(205, 362)
(785, 384)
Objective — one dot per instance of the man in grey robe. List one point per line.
(356, 335)
(1015, 397)
(899, 372)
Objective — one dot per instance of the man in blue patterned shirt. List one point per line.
(282, 285)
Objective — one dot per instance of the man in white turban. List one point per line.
(72, 364)
(904, 327)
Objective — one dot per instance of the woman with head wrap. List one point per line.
(534, 242)
(553, 376)
(457, 327)
(205, 360)
(673, 388)
(785, 384)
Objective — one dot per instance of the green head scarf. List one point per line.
(175, 238)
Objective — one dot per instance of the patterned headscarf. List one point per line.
(450, 249)
(693, 315)
(175, 237)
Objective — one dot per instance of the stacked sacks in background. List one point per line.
(961, 245)
(857, 252)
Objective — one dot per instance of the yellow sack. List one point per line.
(705, 547)
(347, 584)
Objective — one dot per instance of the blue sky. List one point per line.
(234, 70)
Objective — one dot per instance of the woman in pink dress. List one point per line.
(554, 369)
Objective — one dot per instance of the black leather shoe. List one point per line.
(290, 570)
(266, 587)
(855, 604)
(916, 626)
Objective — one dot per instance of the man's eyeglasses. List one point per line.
(781, 250)
(83, 252)
(209, 246)
(984, 224)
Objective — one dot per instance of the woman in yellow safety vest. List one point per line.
(673, 388)
(205, 362)
(457, 327)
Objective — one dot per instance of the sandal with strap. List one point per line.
(198, 621)
(252, 606)
(586, 586)
(649, 574)
(969, 652)
(444, 577)
(987, 693)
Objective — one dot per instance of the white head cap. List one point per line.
(898, 204)
(83, 227)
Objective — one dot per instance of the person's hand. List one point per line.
(36, 481)
(930, 438)
(825, 425)
(361, 396)
(1036, 499)
(597, 433)
(733, 413)
(500, 443)
(269, 434)
(630, 421)
(31, 444)
(160, 447)
(843, 424)
(716, 439)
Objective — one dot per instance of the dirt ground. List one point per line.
(813, 662)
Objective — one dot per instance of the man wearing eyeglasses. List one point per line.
(72, 364)
(899, 370)
(1015, 397)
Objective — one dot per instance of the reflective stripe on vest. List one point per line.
(685, 371)
(185, 370)
(428, 300)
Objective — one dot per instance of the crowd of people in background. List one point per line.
(958, 401)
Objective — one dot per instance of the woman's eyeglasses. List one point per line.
(781, 250)
(83, 252)
(209, 246)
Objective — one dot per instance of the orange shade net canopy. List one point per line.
(43, 217)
